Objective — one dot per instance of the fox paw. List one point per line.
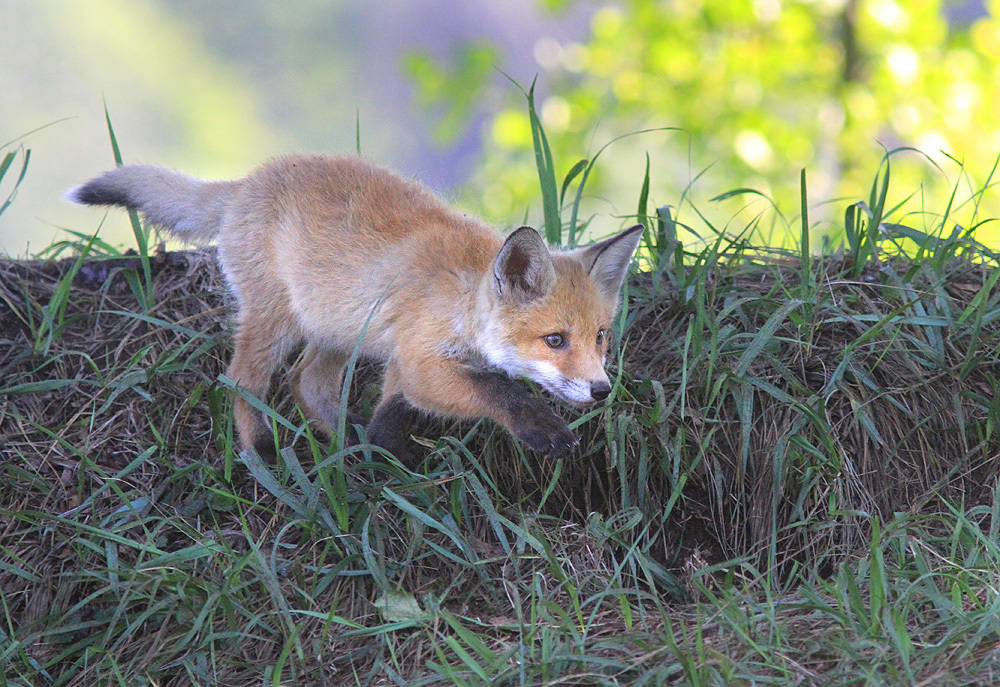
(268, 452)
(548, 434)
(394, 443)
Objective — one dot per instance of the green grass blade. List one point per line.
(141, 235)
(764, 336)
(805, 251)
(572, 174)
(546, 174)
(642, 214)
(4, 166)
(8, 160)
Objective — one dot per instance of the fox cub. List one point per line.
(315, 247)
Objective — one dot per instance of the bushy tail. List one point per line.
(190, 208)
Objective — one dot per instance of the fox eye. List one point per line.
(600, 336)
(555, 340)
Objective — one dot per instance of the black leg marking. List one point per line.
(354, 419)
(388, 427)
(530, 418)
(264, 445)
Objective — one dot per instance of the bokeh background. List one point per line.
(746, 92)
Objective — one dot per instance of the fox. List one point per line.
(323, 251)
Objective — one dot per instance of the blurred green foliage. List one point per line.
(763, 88)
(435, 85)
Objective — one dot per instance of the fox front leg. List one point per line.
(450, 388)
(390, 425)
(528, 417)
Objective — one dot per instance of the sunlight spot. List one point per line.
(960, 100)
(904, 64)
(754, 148)
(547, 52)
(767, 10)
(555, 113)
(889, 14)
(932, 143)
(986, 37)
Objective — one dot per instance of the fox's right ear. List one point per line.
(523, 270)
(608, 260)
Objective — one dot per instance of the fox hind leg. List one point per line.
(260, 347)
(319, 383)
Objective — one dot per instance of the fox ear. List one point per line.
(523, 269)
(608, 260)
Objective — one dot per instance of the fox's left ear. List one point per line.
(608, 260)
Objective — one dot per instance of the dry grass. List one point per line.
(871, 395)
(781, 491)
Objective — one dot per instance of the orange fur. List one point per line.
(319, 248)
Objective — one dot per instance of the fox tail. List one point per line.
(189, 208)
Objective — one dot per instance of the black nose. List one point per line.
(600, 390)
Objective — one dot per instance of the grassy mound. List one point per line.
(795, 481)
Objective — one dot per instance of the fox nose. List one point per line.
(600, 390)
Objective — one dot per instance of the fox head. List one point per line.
(552, 311)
